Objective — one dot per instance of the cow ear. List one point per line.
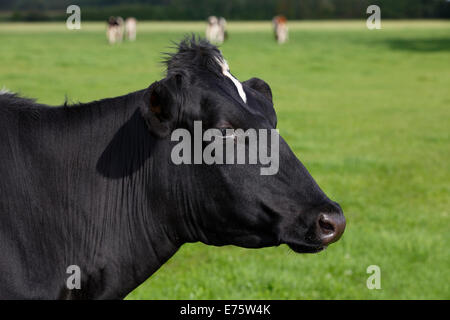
(261, 86)
(159, 108)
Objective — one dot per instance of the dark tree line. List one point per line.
(231, 9)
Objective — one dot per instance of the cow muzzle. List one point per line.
(330, 227)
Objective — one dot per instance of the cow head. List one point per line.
(234, 203)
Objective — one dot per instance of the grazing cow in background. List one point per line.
(223, 28)
(216, 29)
(130, 28)
(120, 30)
(93, 186)
(280, 29)
(111, 30)
(114, 32)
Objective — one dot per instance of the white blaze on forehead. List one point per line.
(226, 72)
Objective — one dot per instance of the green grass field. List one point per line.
(367, 112)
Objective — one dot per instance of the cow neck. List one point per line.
(128, 235)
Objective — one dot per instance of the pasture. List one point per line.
(366, 111)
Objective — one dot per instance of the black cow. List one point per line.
(93, 185)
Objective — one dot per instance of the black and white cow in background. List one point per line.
(216, 30)
(93, 185)
(114, 31)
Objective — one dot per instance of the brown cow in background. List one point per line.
(280, 29)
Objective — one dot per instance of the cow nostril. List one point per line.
(326, 226)
(330, 227)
